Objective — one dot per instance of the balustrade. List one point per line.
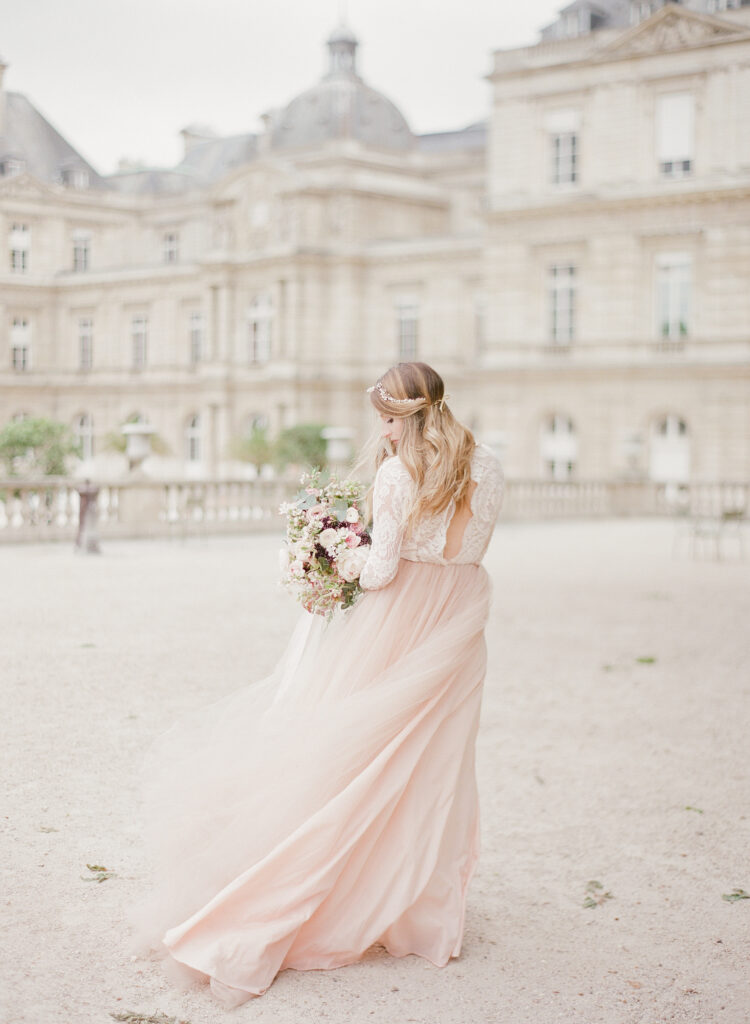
(47, 509)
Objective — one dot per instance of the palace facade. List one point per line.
(577, 266)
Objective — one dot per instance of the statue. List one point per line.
(87, 539)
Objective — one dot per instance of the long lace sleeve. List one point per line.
(390, 499)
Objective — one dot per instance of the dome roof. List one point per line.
(342, 106)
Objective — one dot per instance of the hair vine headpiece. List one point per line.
(387, 397)
(390, 398)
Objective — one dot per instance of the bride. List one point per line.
(333, 805)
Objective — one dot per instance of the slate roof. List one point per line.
(29, 136)
(474, 136)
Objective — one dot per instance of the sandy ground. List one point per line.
(593, 763)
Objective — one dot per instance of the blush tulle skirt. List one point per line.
(332, 805)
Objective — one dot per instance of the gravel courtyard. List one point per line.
(614, 748)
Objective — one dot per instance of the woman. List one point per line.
(333, 805)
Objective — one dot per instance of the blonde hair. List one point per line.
(434, 447)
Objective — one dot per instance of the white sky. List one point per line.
(122, 77)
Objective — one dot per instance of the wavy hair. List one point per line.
(434, 447)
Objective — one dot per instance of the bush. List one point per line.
(302, 445)
(256, 448)
(40, 445)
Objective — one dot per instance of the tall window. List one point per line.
(20, 243)
(84, 434)
(139, 340)
(563, 127)
(259, 328)
(562, 303)
(81, 244)
(171, 247)
(558, 447)
(193, 439)
(407, 329)
(85, 343)
(675, 119)
(669, 452)
(673, 285)
(195, 334)
(20, 344)
(564, 158)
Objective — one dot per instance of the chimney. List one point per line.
(195, 134)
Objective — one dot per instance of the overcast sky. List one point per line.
(120, 79)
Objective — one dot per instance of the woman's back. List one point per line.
(452, 537)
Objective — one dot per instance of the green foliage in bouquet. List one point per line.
(326, 543)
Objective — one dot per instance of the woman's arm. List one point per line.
(389, 504)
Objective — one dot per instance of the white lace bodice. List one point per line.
(391, 498)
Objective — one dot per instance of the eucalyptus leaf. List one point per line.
(735, 895)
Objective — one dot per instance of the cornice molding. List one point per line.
(574, 205)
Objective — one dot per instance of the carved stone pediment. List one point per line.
(24, 186)
(672, 28)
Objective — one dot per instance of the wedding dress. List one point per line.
(333, 805)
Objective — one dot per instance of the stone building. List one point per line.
(577, 267)
(618, 248)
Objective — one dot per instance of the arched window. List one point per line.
(84, 434)
(669, 450)
(558, 447)
(193, 439)
(255, 421)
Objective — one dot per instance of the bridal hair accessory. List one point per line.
(390, 398)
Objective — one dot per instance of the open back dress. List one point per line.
(333, 805)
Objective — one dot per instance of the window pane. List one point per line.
(674, 127)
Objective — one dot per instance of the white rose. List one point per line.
(328, 538)
(351, 563)
(352, 515)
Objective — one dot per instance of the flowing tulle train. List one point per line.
(333, 805)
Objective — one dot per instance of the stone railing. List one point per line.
(47, 509)
(547, 499)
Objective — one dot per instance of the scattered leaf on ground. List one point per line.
(595, 895)
(145, 1018)
(87, 645)
(734, 895)
(98, 873)
(47, 828)
(646, 660)
(689, 807)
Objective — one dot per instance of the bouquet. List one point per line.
(326, 544)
